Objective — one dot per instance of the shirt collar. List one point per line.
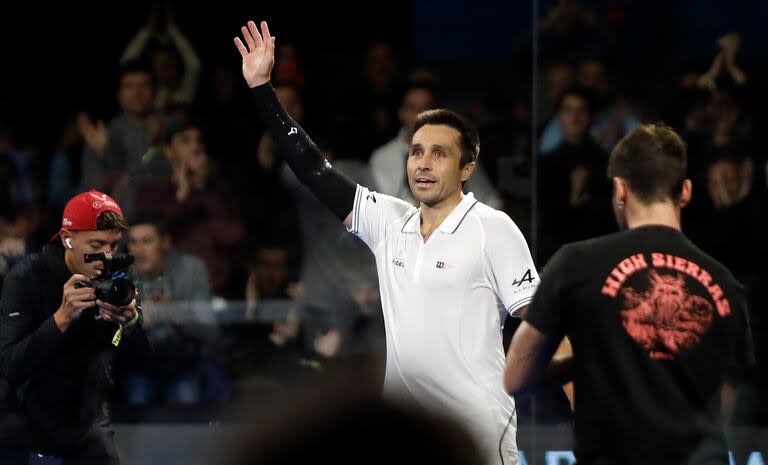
(450, 224)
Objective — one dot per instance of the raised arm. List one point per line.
(334, 189)
(187, 89)
(138, 44)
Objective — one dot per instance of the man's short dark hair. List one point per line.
(469, 141)
(151, 219)
(179, 124)
(580, 92)
(134, 67)
(652, 160)
(110, 220)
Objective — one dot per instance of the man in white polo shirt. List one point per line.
(449, 271)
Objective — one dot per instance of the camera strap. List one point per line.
(119, 333)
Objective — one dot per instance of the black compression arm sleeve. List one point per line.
(334, 189)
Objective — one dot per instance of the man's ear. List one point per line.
(687, 193)
(467, 171)
(620, 191)
(66, 238)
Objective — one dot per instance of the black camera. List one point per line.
(112, 285)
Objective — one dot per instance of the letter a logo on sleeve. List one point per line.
(527, 278)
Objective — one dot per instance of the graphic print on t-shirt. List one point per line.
(669, 305)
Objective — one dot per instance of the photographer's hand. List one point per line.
(73, 302)
(119, 315)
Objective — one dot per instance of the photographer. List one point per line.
(57, 337)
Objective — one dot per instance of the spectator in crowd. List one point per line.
(200, 209)
(730, 207)
(113, 153)
(724, 63)
(573, 189)
(175, 64)
(558, 77)
(178, 321)
(266, 343)
(613, 115)
(592, 75)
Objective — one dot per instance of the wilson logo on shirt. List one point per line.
(398, 262)
(443, 266)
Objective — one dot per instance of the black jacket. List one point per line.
(62, 380)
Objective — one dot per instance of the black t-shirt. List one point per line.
(656, 326)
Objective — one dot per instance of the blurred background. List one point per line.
(248, 281)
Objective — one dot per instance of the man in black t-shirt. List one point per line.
(658, 327)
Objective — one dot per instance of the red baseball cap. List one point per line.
(82, 210)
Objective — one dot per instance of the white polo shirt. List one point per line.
(444, 303)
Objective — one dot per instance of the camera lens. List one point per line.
(118, 292)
